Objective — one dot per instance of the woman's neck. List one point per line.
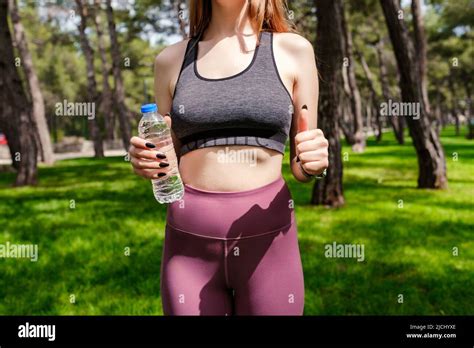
(228, 19)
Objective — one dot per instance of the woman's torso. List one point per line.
(234, 167)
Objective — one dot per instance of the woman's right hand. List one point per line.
(147, 161)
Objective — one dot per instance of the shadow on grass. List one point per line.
(105, 251)
(377, 287)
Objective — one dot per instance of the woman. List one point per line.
(236, 91)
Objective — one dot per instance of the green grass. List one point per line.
(407, 250)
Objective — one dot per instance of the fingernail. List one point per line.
(164, 164)
(305, 107)
(161, 174)
(150, 145)
(160, 156)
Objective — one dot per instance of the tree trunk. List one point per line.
(444, 115)
(454, 104)
(420, 50)
(374, 99)
(106, 105)
(396, 122)
(346, 130)
(470, 116)
(347, 116)
(356, 104)
(119, 94)
(91, 82)
(329, 48)
(16, 111)
(45, 146)
(370, 121)
(431, 160)
(437, 111)
(467, 88)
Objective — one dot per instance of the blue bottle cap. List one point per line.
(149, 108)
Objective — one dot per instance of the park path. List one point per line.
(72, 155)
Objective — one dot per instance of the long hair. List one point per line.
(264, 15)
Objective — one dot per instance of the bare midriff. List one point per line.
(230, 168)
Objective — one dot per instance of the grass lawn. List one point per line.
(86, 213)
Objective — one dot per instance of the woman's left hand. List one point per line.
(311, 147)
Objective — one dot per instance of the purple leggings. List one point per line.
(232, 253)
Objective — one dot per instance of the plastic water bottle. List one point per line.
(153, 129)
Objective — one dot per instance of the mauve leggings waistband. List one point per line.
(274, 184)
(233, 215)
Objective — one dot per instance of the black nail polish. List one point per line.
(161, 174)
(305, 107)
(164, 164)
(150, 145)
(160, 156)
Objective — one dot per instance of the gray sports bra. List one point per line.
(252, 107)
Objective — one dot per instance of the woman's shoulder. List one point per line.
(295, 47)
(292, 42)
(171, 55)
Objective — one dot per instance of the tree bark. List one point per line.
(119, 94)
(356, 104)
(329, 49)
(396, 122)
(374, 99)
(45, 146)
(431, 160)
(106, 104)
(16, 111)
(454, 104)
(91, 82)
(437, 111)
(470, 116)
(420, 49)
(346, 120)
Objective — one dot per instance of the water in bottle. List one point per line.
(153, 129)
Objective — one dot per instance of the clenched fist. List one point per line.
(311, 147)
